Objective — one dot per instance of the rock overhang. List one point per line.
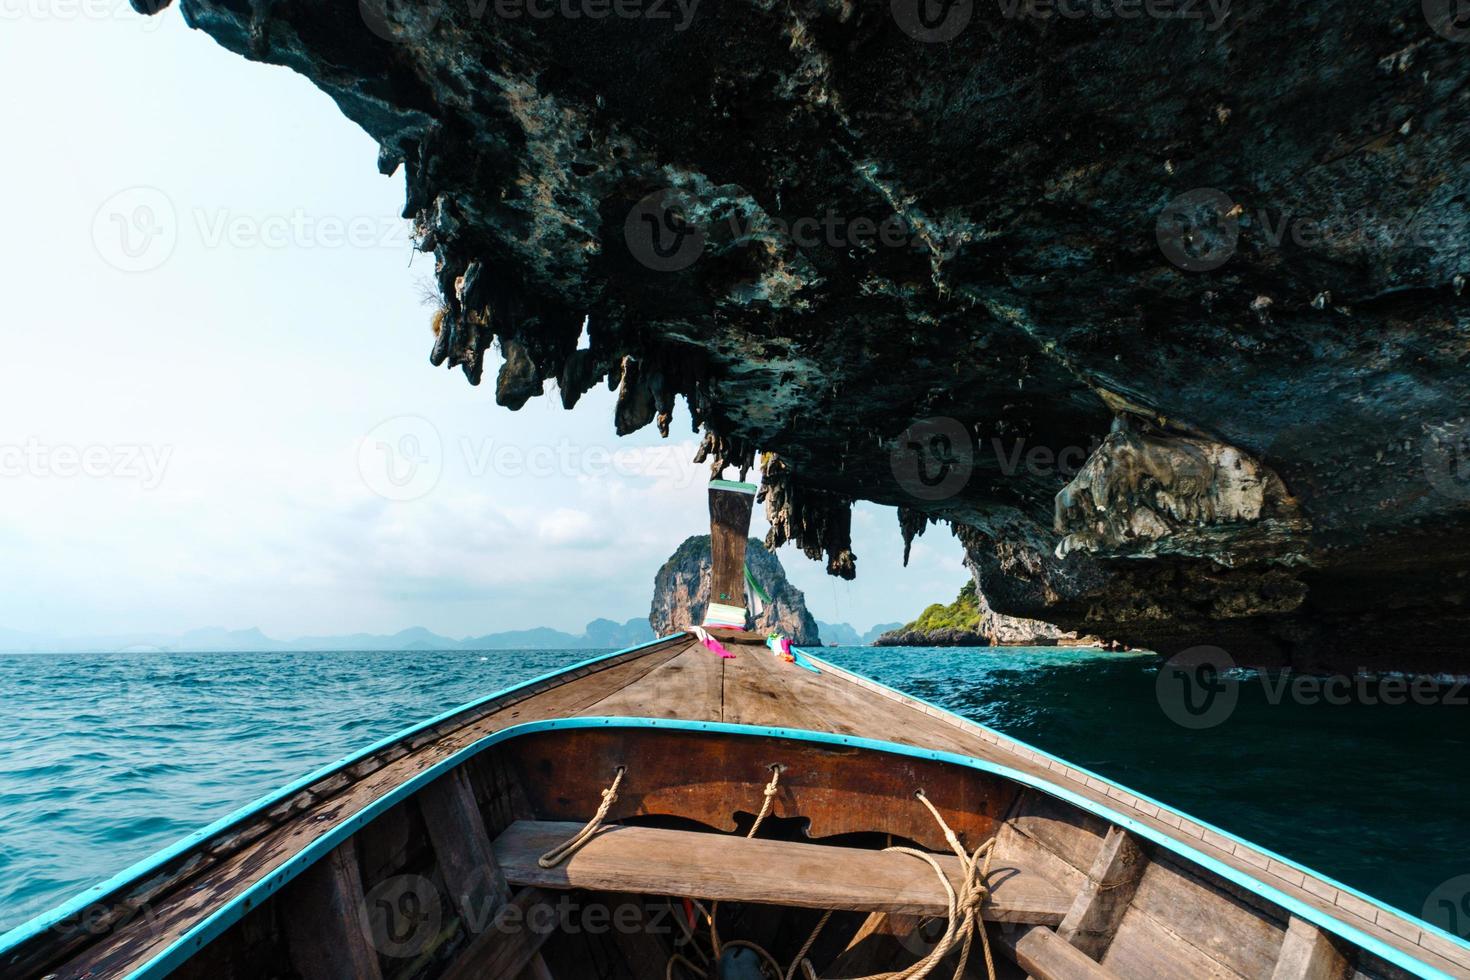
(846, 241)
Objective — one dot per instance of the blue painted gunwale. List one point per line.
(231, 912)
(1249, 883)
(58, 916)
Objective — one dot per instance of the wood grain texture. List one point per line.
(1206, 918)
(1047, 956)
(737, 869)
(457, 831)
(708, 778)
(322, 915)
(1308, 953)
(729, 529)
(688, 686)
(1143, 947)
(1093, 919)
(1210, 917)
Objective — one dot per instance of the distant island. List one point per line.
(970, 622)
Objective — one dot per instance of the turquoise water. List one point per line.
(109, 757)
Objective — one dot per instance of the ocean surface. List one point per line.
(109, 757)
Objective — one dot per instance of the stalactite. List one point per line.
(635, 407)
(518, 381)
(723, 452)
(816, 521)
(912, 524)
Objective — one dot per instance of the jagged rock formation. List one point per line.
(681, 593)
(970, 622)
(935, 264)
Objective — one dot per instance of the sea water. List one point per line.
(109, 757)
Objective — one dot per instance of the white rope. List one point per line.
(564, 850)
(964, 910)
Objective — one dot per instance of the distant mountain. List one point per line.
(599, 634)
(844, 635)
(839, 634)
(871, 635)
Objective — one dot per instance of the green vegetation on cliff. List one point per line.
(962, 614)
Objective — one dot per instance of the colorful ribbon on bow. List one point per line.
(710, 642)
(781, 647)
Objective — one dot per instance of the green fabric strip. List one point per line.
(756, 586)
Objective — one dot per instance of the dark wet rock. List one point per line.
(1218, 252)
(681, 593)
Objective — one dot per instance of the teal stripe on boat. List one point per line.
(28, 930)
(231, 912)
(732, 485)
(1272, 855)
(207, 930)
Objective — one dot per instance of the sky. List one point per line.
(216, 406)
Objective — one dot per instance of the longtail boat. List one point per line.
(717, 805)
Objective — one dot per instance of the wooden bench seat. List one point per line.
(725, 868)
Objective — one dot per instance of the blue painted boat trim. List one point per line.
(1272, 855)
(230, 913)
(27, 931)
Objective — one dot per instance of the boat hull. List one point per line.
(697, 736)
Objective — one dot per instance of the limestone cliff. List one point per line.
(681, 592)
(938, 258)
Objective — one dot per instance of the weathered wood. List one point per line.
(737, 869)
(462, 846)
(1047, 956)
(688, 686)
(322, 912)
(1179, 932)
(708, 778)
(1208, 916)
(1093, 919)
(1308, 953)
(512, 942)
(729, 526)
(1070, 834)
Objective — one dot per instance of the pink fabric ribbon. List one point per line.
(710, 642)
